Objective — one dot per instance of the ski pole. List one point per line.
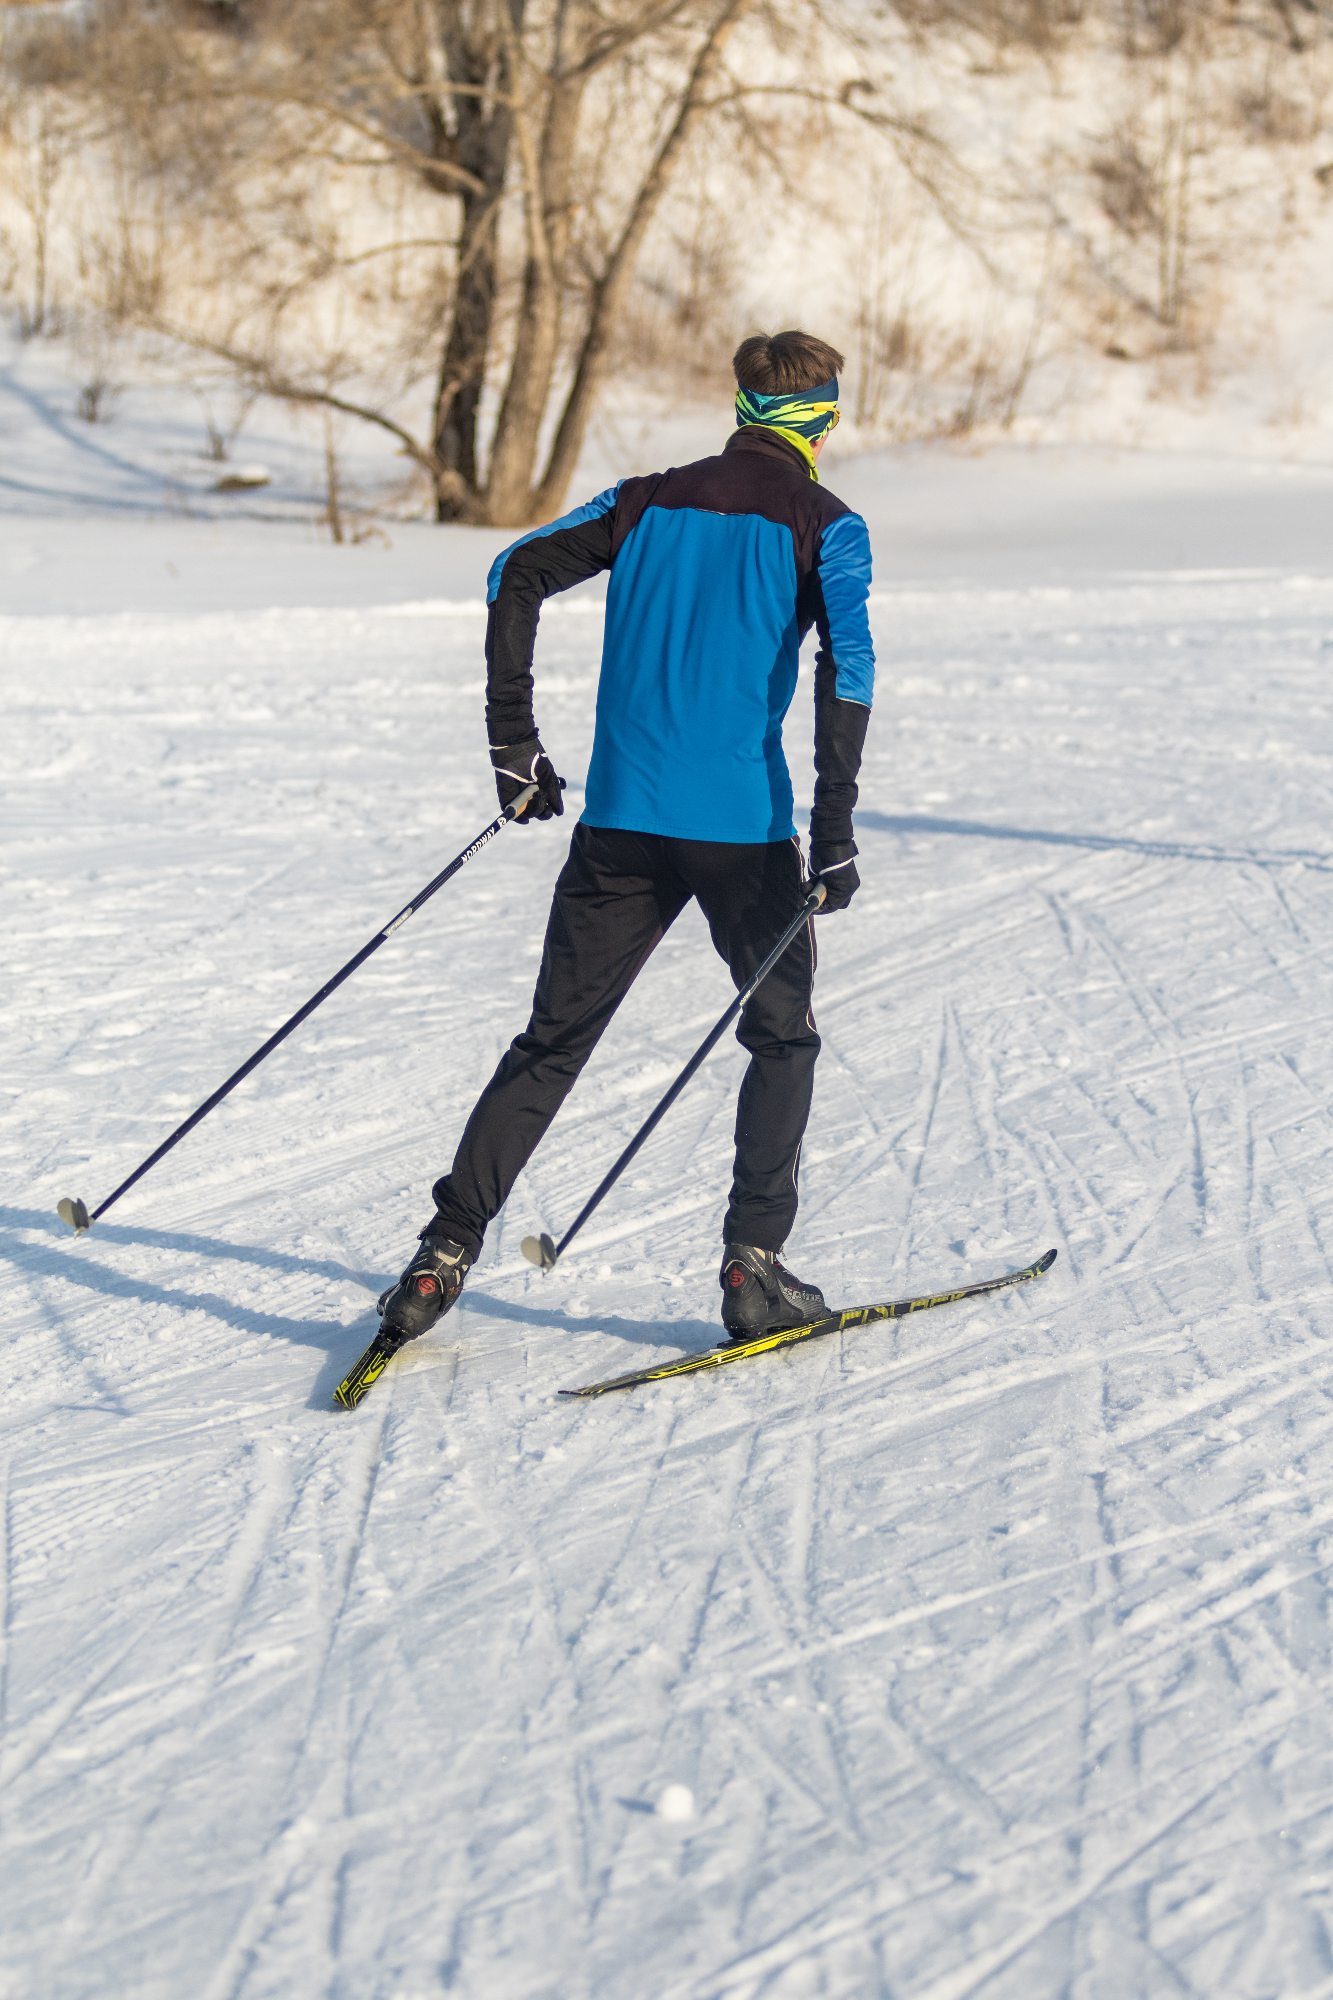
(543, 1249)
(76, 1214)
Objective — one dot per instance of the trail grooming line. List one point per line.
(74, 1211)
(543, 1250)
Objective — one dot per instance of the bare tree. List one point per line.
(430, 215)
(544, 134)
(523, 149)
(38, 134)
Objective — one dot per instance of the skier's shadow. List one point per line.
(53, 1264)
(692, 1336)
(79, 1265)
(340, 1342)
(868, 820)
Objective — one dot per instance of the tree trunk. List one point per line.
(481, 146)
(547, 198)
(611, 289)
(463, 364)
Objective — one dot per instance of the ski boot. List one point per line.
(760, 1296)
(428, 1287)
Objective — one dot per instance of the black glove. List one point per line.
(518, 765)
(833, 863)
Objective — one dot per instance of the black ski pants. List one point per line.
(617, 895)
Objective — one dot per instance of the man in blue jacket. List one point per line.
(717, 571)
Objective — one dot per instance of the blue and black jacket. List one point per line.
(718, 570)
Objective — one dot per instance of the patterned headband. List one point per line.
(809, 412)
(802, 419)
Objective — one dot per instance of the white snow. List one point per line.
(992, 1647)
(676, 1803)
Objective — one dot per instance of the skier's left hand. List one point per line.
(518, 765)
(834, 863)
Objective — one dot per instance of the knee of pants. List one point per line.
(802, 1048)
(530, 1053)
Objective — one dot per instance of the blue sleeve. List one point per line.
(844, 576)
(590, 511)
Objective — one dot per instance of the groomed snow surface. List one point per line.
(984, 1653)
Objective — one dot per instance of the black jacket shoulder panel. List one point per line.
(754, 474)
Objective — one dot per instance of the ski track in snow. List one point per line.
(994, 1645)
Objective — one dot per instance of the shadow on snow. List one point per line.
(76, 1264)
(1169, 850)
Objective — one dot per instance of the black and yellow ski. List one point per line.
(815, 1329)
(361, 1379)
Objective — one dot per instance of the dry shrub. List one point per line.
(1127, 184)
(1272, 117)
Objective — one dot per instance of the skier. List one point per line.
(717, 570)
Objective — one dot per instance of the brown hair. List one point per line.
(782, 364)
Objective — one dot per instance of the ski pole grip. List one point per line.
(517, 807)
(818, 893)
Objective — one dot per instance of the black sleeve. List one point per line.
(533, 572)
(840, 734)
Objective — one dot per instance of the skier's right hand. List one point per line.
(518, 765)
(833, 863)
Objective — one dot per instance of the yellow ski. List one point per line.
(815, 1329)
(364, 1375)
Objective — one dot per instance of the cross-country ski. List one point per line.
(362, 1377)
(847, 1320)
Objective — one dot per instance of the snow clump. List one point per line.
(676, 1803)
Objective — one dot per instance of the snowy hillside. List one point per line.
(1038, 222)
(993, 1647)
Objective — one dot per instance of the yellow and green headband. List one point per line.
(803, 418)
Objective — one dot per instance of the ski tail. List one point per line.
(815, 1329)
(361, 1379)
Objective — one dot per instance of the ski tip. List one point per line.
(75, 1214)
(539, 1250)
(1045, 1263)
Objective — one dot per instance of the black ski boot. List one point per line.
(760, 1296)
(428, 1287)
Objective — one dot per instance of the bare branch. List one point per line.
(258, 370)
(610, 289)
